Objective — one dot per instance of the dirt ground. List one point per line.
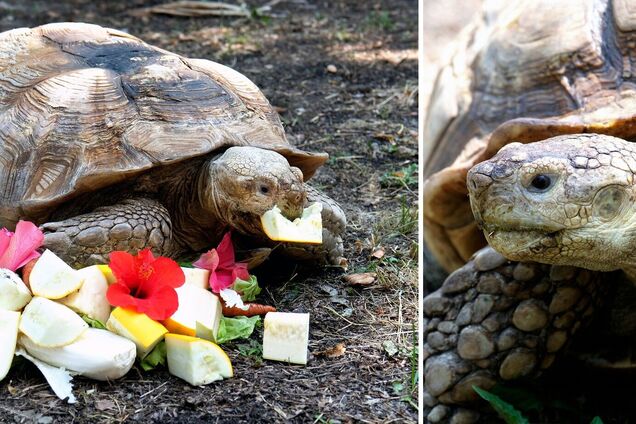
(343, 76)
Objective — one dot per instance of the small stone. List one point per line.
(541, 288)
(504, 303)
(121, 231)
(531, 341)
(482, 307)
(530, 315)
(429, 400)
(493, 322)
(524, 271)
(474, 343)
(463, 390)
(490, 283)
(518, 363)
(564, 299)
(547, 361)
(332, 69)
(507, 339)
(91, 237)
(565, 321)
(562, 272)
(511, 288)
(435, 304)
(465, 315)
(470, 295)
(556, 340)
(465, 416)
(483, 363)
(488, 258)
(460, 280)
(439, 372)
(437, 340)
(447, 327)
(432, 324)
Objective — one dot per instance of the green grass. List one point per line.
(405, 177)
(380, 20)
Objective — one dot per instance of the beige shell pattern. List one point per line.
(83, 107)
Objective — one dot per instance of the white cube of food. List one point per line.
(14, 294)
(286, 337)
(197, 277)
(9, 321)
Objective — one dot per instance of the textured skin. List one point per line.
(496, 320)
(584, 218)
(90, 117)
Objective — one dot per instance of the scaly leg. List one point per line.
(130, 226)
(496, 320)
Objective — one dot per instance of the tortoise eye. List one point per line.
(264, 189)
(541, 182)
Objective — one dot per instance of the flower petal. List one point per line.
(166, 272)
(223, 280)
(22, 246)
(209, 260)
(119, 295)
(225, 251)
(5, 238)
(124, 267)
(240, 271)
(160, 304)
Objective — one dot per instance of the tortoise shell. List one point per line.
(83, 107)
(523, 72)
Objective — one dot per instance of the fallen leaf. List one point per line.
(279, 109)
(378, 253)
(333, 352)
(359, 246)
(362, 279)
(389, 347)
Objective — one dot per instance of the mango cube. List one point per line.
(139, 328)
(199, 313)
(286, 337)
(195, 360)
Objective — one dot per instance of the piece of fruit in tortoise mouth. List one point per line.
(306, 229)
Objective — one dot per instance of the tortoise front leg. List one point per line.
(495, 320)
(334, 222)
(130, 225)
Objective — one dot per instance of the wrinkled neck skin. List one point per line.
(568, 200)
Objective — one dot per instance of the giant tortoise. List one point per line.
(529, 152)
(109, 143)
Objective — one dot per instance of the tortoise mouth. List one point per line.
(524, 244)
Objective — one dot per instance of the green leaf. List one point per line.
(505, 410)
(522, 398)
(597, 420)
(185, 264)
(95, 323)
(247, 289)
(155, 358)
(236, 328)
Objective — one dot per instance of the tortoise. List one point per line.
(109, 143)
(529, 198)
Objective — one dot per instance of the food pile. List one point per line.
(97, 321)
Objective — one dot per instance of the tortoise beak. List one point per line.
(292, 204)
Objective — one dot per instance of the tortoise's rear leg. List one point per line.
(495, 320)
(130, 225)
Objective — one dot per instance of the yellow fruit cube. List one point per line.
(139, 328)
(199, 313)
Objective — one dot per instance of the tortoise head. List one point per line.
(248, 181)
(567, 200)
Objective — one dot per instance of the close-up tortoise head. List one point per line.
(529, 196)
(109, 143)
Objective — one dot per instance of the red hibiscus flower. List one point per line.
(223, 269)
(145, 284)
(16, 249)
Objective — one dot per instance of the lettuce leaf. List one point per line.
(236, 328)
(95, 323)
(248, 289)
(155, 358)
